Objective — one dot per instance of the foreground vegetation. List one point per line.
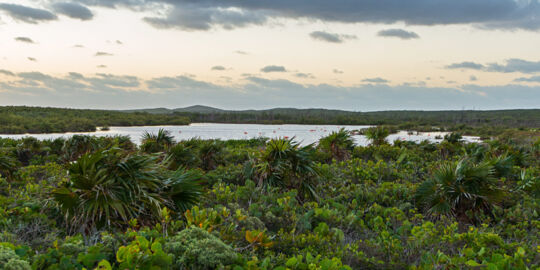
(105, 203)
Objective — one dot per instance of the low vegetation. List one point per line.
(106, 203)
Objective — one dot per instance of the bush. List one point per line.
(195, 248)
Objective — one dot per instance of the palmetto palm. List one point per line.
(339, 144)
(181, 155)
(284, 163)
(108, 188)
(456, 188)
(153, 143)
(8, 165)
(377, 135)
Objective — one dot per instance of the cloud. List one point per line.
(32, 59)
(27, 14)
(24, 39)
(473, 78)
(515, 65)
(330, 37)
(201, 16)
(272, 68)
(465, 65)
(535, 79)
(120, 91)
(398, 33)
(375, 80)
(304, 75)
(101, 66)
(78, 46)
(241, 52)
(218, 68)
(6, 72)
(229, 14)
(103, 54)
(337, 71)
(509, 66)
(119, 42)
(74, 11)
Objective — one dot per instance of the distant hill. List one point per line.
(198, 109)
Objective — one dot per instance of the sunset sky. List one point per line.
(359, 55)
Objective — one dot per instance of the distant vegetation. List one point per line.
(17, 120)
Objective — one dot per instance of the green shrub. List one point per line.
(195, 248)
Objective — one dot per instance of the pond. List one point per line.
(305, 134)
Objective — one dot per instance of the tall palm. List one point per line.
(284, 163)
(108, 188)
(377, 135)
(456, 188)
(339, 144)
(153, 143)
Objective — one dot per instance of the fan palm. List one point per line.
(209, 153)
(284, 163)
(153, 143)
(180, 155)
(7, 165)
(339, 144)
(377, 135)
(107, 188)
(456, 188)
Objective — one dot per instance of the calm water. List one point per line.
(305, 134)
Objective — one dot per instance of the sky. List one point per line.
(360, 55)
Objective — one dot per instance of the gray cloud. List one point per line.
(515, 65)
(32, 59)
(273, 68)
(375, 80)
(74, 10)
(103, 54)
(330, 37)
(398, 33)
(27, 14)
(24, 39)
(528, 79)
(304, 75)
(473, 78)
(241, 52)
(337, 71)
(206, 14)
(466, 65)
(116, 92)
(200, 16)
(509, 66)
(78, 46)
(101, 66)
(6, 72)
(218, 68)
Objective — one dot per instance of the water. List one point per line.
(305, 134)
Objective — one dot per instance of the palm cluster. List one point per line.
(377, 135)
(108, 188)
(460, 187)
(339, 144)
(286, 164)
(160, 142)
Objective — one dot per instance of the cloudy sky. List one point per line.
(360, 55)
